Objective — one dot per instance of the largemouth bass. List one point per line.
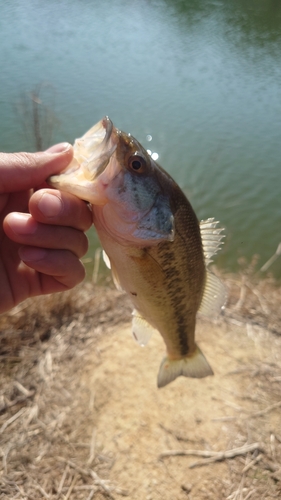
(157, 250)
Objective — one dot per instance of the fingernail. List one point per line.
(62, 147)
(50, 205)
(32, 254)
(23, 224)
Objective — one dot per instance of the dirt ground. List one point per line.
(81, 416)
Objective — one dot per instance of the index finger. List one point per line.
(22, 171)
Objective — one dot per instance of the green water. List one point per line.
(203, 78)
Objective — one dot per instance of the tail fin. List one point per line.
(195, 366)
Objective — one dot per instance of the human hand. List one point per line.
(41, 232)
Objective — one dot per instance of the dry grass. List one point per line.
(253, 297)
(44, 345)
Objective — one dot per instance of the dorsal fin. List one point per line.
(141, 329)
(214, 296)
(211, 238)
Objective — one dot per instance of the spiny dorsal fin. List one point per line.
(214, 296)
(141, 329)
(211, 238)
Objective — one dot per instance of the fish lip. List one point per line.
(92, 151)
(108, 126)
(93, 139)
(106, 147)
(92, 154)
(97, 146)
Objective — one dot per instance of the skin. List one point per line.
(42, 230)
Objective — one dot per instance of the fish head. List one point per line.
(113, 172)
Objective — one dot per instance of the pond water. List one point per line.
(202, 78)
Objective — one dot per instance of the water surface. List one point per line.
(203, 78)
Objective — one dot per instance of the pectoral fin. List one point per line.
(141, 329)
(114, 274)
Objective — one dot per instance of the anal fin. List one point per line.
(214, 296)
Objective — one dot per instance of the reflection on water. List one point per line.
(201, 78)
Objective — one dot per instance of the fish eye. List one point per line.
(137, 163)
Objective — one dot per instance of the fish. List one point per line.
(156, 248)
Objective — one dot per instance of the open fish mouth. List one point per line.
(92, 153)
(95, 148)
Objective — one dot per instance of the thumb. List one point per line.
(21, 171)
